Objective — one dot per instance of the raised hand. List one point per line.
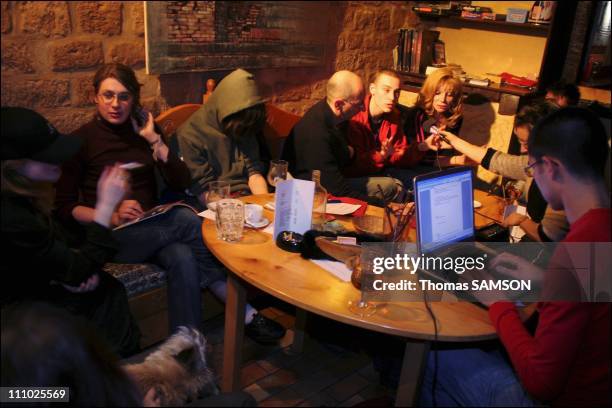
(147, 130)
(112, 185)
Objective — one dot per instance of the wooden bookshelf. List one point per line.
(540, 30)
(412, 82)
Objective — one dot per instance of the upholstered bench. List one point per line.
(146, 289)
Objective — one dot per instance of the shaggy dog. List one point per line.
(177, 370)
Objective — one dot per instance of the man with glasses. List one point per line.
(565, 360)
(319, 142)
(543, 223)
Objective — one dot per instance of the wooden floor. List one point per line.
(322, 375)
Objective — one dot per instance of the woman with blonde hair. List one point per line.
(41, 261)
(439, 103)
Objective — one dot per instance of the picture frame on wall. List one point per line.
(192, 36)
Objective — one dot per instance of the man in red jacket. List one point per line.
(567, 360)
(376, 133)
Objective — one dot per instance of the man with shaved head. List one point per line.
(318, 142)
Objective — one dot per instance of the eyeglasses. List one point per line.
(108, 97)
(529, 169)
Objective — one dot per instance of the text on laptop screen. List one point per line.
(445, 210)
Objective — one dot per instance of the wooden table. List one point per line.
(257, 261)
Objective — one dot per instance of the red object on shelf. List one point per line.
(517, 80)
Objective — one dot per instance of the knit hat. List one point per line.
(28, 135)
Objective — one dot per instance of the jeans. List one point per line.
(472, 377)
(407, 175)
(174, 242)
(369, 186)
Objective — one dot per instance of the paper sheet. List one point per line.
(338, 269)
(341, 208)
(208, 214)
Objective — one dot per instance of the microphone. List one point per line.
(428, 124)
(429, 127)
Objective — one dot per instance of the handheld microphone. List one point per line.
(429, 127)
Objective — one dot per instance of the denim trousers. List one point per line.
(472, 377)
(174, 242)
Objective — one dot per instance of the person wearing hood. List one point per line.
(121, 131)
(219, 142)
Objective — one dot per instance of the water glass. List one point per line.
(229, 219)
(217, 190)
(277, 172)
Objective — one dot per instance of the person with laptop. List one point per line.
(566, 361)
(543, 223)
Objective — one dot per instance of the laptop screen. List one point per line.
(445, 208)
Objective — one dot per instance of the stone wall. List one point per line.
(50, 51)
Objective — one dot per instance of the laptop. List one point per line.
(445, 216)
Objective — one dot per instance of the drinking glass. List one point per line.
(217, 190)
(277, 172)
(229, 219)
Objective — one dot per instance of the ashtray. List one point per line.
(290, 241)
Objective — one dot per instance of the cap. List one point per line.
(28, 135)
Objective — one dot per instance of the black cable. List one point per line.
(435, 350)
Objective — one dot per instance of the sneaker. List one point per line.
(263, 330)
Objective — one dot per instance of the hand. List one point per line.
(433, 142)
(87, 286)
(387, 149)
(513, 219)
(516, 267)
(128, 210)
(147, 131)
(486, 297)
(112, 186)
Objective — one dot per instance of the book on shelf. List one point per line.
(416, 50)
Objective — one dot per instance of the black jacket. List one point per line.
(316, 143)
(36, 251)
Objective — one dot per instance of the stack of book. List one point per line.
(416, 49)
(477, 12)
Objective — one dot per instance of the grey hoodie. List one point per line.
(210, 154)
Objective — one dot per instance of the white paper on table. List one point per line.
(341, 208)
(293, 206)
(208, 214)
(336, 268)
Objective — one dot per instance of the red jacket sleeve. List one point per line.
(543, 361)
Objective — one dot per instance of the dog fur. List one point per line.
(177, 370)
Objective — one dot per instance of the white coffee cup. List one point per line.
(253, 213)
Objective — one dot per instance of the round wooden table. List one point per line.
(257, 261)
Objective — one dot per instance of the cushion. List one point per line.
(137, 278)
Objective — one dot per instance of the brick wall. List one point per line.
(50, 51)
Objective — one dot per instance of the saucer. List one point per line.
(262, 223)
